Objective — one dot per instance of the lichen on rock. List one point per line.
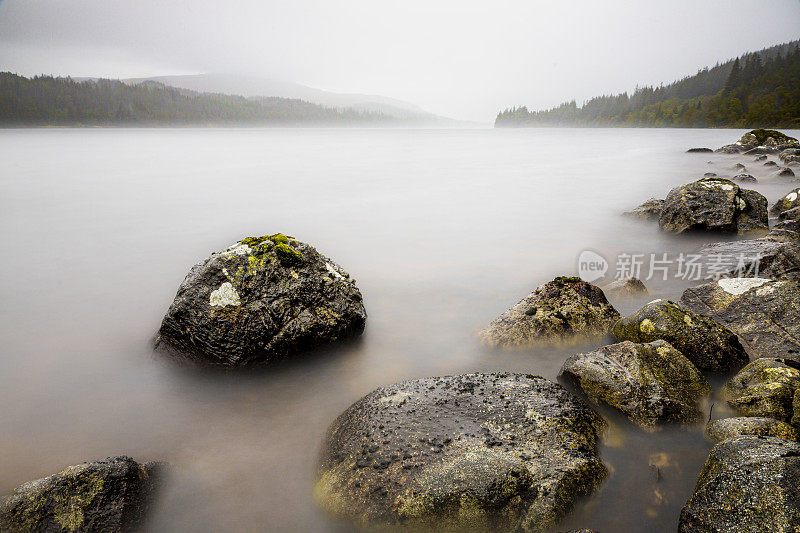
(727, 428)
(765, 388)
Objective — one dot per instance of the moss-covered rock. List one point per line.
(713, 204)
(764, 313)
(651, 383)
(565, 309)
(262, 300)
(494, 451)
(727, 428)
(106, 496)
(769, 138)
(708, 345)
(766, 257)
(650, 210)
(765, 388)
(748, 485)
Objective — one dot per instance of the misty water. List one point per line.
(442, 229)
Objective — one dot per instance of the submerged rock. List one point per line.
(789, 152)
(766, 258)
(786, 172)
(698, 150)
(650, 383)
(745, 178)
(739, 166)
(730, 149)
(650, 210)
(770, 164)
(708, 345)
(728, 428)
(748, 485)
(625, 288)
(762, 312)
(564, 309)
(766, 388)
(790, 214)
(790, 201)
(478, 451)
(710, 175)
(761, 157)
(713, 204)
(262, 300)
(106, 496)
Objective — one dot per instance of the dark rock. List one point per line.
(561, 310)
(650, 210)
(789, 151)
(790, 159)
(263, 300)
(745, 178)
(748, 485)
(710, 175)
(484, 451)
(790, 214)
(762, 150)
(762, 312)
(739, 166)
(713, 204)
(106, 496)
(728, 428)
(786, 172)
(761, 157)
(764, 258)
(765, 388)
(708, 345)
(625, 288)
(784, 234)
(791, 200)
(650, 383)
(698, 150)
(730, 149)
(770, 164)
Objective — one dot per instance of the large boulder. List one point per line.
(262, 300)
(564, 309)
(650, 210)
(728, 428)
(106, 496)
(765, 388)
(762, 312)
(651, 383)
(768, 138)
(748, 485)
(708, 345)
(713, 204)
(790, 201)
(479, 451)
(766, 258)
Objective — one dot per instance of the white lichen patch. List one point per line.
(655, 301)
(237, 249)
(718, 185)
(397, 397)
(791, 197)
(332, 269)
(224, 296)
(737, 286)
(769, 289)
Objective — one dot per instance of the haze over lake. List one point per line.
(442, 229)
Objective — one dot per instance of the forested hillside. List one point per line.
(45, 100)
(760, 89)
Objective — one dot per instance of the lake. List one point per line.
(442, 229)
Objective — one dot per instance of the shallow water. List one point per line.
(442, 229)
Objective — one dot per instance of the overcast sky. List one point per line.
(460, 58)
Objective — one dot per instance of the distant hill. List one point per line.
(251, 86)
(45, 100)
(759, 89)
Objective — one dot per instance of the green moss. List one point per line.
(287, 255)
(275, 238)
(69, 507)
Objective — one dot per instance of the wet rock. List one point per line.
(262, 300)
(745, 178)
(625, 288)
(650, 210)
(790, 201)
(713, 204)
(788, 152)
(764, 258)
(762, 312)
(739, 166)
(770, 164)
(765, 388)
(761, 157)
(480, 451)
(651, 383)
(710, 175)
(786, 172)
(748, 484)
(782, 232)
(791, 159)
(106, 496)
(698, 150)
(708, 345)
(762, 150)
(565, 309)
(790, 214)
(728, 428)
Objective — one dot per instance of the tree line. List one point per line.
(759, 89)
(56, 101)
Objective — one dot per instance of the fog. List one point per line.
(461, 59)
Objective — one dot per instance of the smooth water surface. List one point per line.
(442, 229)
